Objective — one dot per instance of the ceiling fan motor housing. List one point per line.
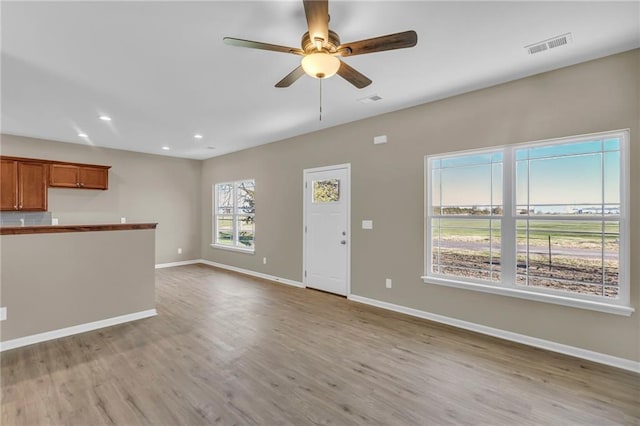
(329, 46)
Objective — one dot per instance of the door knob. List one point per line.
(343, 242)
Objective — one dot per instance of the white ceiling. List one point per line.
(162, 72)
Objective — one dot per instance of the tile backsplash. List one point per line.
(30, 218)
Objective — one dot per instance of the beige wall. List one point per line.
(591, 97)
(142, 188)
(54, 281)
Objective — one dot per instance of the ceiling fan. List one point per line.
(321, 49)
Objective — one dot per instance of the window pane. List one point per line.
(611, 258)
(573, 256)
(466, 248)
(569, 179)
(612, 179)
(246, 231)
(224, 198)
(612, 144)
(576, 180)
(436, 200)
(496, 190)
(245, 197)
(224, 230)
(471, 159)
(326, 191)
(559, 150)
(466, 187)
(522, 187)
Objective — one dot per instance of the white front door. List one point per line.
(326, 237)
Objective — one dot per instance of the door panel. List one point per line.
(93, 178)
(327, 230)
(9, 182)
(63, 175)
(33, 186)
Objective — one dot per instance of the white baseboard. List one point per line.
(625, 364)
(253, 273)
(76, 329)
(181, 263)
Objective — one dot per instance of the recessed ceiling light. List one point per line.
(166, 148)
(83, 135)
(197, 136)
(104, 118)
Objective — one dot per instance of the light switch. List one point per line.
(367, 224)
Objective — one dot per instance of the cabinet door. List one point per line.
(64, 176)
(8, 185)
(32, 186)
(94, 178)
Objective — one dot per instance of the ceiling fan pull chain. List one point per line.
(320, 98)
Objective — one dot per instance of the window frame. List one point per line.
(235, 215)
(508, 249)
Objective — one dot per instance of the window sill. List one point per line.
(231, 248)
(539, 297)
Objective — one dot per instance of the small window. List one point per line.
(326, 191)
(540, 218)
(234, 215)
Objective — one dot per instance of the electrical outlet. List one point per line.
(179, 250)
(388, 283)
(264, 260)
(123, 220)
(3, 314)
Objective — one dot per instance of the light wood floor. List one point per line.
(229, 349)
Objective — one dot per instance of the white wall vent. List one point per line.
(370, 99)
(551, 43)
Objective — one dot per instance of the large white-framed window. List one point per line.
(544, 220)
(234, 215)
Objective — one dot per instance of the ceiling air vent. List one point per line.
(551, 43)
(537, 48)
(370, 99)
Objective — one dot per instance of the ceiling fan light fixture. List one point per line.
(320, 65)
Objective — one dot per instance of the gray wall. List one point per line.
(54, 281)
(142, 188)
(591, 97)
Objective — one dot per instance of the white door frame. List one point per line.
(305, 199)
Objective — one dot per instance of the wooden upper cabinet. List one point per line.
(78, 176)
(23, 185)
(8, 185)
(94, 177)
(63, 176)
(24, 181)
(32, 186)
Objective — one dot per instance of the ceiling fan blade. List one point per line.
(379, 44)
(352, 76)
(259, 45)
(317, 13)
(291, 77)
